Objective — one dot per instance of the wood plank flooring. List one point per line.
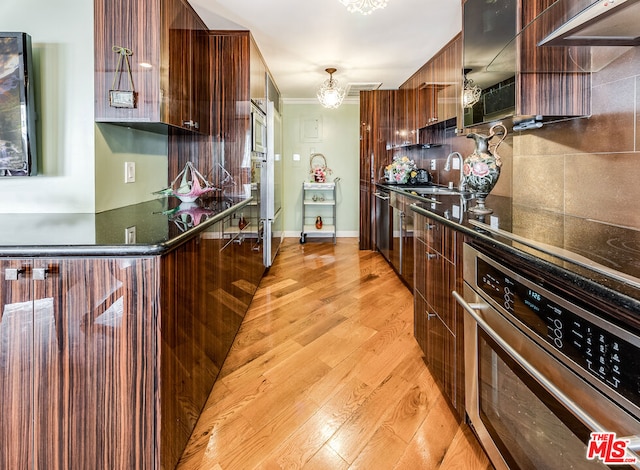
(325, 374)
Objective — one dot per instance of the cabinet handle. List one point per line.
(430, 316)
(429, 226)
(12, 274)
(432, 256)
(191, 124)
(40, 274)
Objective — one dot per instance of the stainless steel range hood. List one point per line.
(602, 23)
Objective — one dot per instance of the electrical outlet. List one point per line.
(433, 164)
(130, 235)
(455, 164)
(129, 172)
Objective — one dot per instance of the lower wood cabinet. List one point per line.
(108, 362)
(438, 325)
(77, 354)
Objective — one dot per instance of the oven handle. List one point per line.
(634, 441)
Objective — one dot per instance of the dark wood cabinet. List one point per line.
(169, 63)
(520, 79)
(437, 86)
(76, 363)
(376, 120)
(258, 77)
(437, 323)
(552, 81)
(108, 362)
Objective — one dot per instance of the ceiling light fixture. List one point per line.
(365, 7)
(470, 92)
(330, 94)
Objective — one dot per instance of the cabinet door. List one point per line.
(51, 391)
(16, 366)
(114, 26)
(449, 66)
(442, 356)
(426, 112)
(258, 77)
(176, 105)
(421, 321)
(200, 96)
(103, 342)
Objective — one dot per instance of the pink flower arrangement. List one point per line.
(400, 170)
(320, 174)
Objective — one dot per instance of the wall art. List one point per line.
(18, 154)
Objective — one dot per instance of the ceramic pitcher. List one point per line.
(481, 169)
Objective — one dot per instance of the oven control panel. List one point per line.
(601, 351)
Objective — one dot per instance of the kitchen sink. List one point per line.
(426, 191)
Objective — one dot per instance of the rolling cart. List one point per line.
(319, 202)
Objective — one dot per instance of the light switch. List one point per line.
(129, 172)
(130, 235)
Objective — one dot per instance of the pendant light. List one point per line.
(366, 7)
(471, 92)
(330, 94)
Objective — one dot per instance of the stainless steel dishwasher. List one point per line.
(383, 227)
(401, 246)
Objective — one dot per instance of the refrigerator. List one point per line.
(267, 174)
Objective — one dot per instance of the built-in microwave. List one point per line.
(258, 130)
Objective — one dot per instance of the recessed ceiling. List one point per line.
(299, 39)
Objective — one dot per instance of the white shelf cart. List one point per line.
(319, 199)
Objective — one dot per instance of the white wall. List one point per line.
(339, 142)
(69, 159)
(62, 40)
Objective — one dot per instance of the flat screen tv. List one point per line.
(18, 155)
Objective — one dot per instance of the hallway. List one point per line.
(325, 374)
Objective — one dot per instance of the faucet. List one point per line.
(447, 167)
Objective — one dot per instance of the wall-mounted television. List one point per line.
(18, 156)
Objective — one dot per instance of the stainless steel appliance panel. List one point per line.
(529, 407)
(383, 211)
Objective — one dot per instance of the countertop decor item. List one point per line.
(189, 185)
(400, 170)
(122, 98)
(318, 168)
(481, 169)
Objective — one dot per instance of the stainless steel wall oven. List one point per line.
(544, 368)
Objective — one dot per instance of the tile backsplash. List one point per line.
(584, 167)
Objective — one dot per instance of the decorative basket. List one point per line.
(318, 168)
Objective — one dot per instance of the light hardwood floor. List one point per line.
(325, 374)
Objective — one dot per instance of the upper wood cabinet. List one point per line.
(258, 80)
(437, 86)
(518, 78)
(169, 63)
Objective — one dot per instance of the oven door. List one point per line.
(528, 410)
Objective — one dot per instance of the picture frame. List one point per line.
(18, 150)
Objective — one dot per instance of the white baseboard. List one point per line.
(339, 234)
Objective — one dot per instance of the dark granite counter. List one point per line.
(160, 225)
(599, 258)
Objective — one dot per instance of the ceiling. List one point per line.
(300, 38)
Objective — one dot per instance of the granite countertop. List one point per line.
(160, 225)
(601, 258)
